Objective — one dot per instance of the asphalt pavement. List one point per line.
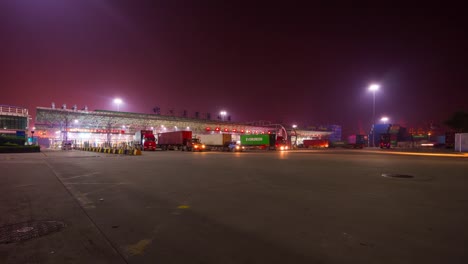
(313, 206)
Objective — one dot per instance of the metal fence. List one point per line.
(5, 109)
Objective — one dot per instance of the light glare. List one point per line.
(374, 87)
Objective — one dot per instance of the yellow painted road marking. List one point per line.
(183, 206)
(460, 155)
(139, 247)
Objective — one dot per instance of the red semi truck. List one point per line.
(385, 140)
(281, 143)
(144, 139)
(177, 140)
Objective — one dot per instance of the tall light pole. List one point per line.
(295, 134)
(373, 88)
(223, 114)
(118, 101)
(32, 135)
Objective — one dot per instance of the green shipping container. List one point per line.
(255, 140)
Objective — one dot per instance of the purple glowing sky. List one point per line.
(290, 64)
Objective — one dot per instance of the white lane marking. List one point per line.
(95, 183)
(82, 175)
(83, 200)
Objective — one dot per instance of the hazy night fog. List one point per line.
(289, 64)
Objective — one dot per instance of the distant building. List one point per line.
(101, 127)
(13, 120)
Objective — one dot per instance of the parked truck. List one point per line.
(263, 141)
(281, 143)
(219, 142)
(176, 140)
(385, 140)
(357, 141)
(145, 140)
(198, 145)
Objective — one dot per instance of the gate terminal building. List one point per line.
(102, 127)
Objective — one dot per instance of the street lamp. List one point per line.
(384, 119)
(118, 102)
(295, 135)
(373, 88)
(223, 114)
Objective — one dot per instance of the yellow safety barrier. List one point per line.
(114, 150)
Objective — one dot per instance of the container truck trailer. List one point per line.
(216, 141)
(263, 141)
(176, 140)
(357, 141)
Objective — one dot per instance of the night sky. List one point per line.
(290, 64)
